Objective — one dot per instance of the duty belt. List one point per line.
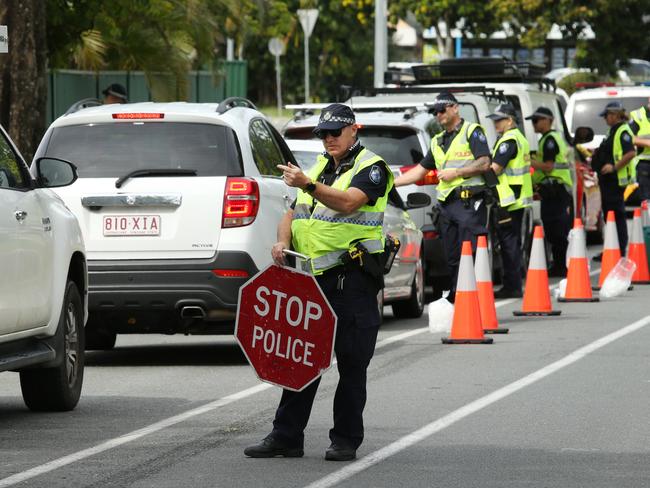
(467, 192)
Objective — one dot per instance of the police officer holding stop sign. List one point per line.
(336, 221)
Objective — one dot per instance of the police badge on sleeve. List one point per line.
(375, 174)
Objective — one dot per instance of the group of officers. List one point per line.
(336, 222)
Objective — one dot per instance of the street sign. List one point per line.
(286, 327)
(307, 19)
(276, 46)
(4, 39)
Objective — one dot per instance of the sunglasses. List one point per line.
(323, 133)
(441, 110)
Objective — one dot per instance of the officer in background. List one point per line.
(640, 126)
(552, 181)
(115, 93)
(460, 154)
(612, 162)
(336, 220)
(511, 161)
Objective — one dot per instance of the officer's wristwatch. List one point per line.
(310, 187)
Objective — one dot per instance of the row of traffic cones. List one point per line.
(475, 310)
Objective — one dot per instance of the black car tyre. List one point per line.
(414, 306)
(58, 388)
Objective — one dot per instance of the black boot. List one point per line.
(271, 447)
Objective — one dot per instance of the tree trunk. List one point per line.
(23, 74)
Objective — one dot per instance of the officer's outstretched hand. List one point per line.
(277, 254)
(293, 175)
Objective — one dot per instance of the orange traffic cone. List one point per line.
(466, 326)
(578, 283)
(489, 320)
(611, 249)
(637, 251)
(537, 297)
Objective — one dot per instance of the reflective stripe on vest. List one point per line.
(458, 155)
(627, 173)
(561, 168)
(517, 171)
(325, 234)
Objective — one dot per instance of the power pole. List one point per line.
(381, 41)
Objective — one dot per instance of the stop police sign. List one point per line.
(286, 327)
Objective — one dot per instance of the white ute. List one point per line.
(44, 281)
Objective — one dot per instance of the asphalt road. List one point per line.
(557, 402)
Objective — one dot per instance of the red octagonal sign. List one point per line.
(286, 327)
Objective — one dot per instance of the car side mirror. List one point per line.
(418, 200)
(55, 173)
(583, 134)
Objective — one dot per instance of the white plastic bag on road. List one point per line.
(561, 289)
(619, 278)
(441, 313)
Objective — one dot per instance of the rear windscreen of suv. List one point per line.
(586, 112)
(113, 150)
(396, 145)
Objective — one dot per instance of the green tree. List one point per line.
(465, 15)
(23, 88)
(619, 27)
(341, 52)
(163, 38)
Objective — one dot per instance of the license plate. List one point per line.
(131, 225)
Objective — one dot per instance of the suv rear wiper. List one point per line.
(154, 172)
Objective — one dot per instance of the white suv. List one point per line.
(44, 282)
(179, 205)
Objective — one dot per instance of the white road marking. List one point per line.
(472, 407)
(163, 424)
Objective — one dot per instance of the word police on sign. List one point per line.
(286, 327)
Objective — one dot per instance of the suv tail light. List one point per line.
(430, 178)
(240, 202)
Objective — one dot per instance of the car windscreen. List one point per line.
(305, 159)
(396, 145)
(586, 112)
(113, 150)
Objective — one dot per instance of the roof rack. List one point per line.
(457, 70)
(233, 102)
(487, 92)
(81, 104)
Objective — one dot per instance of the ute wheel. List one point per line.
(59, 388)
(413, 307)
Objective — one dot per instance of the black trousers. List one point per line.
(612, 199)
(357, 325)
(510, 240)
(460, 221)
(643, 177)
(556, 217)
